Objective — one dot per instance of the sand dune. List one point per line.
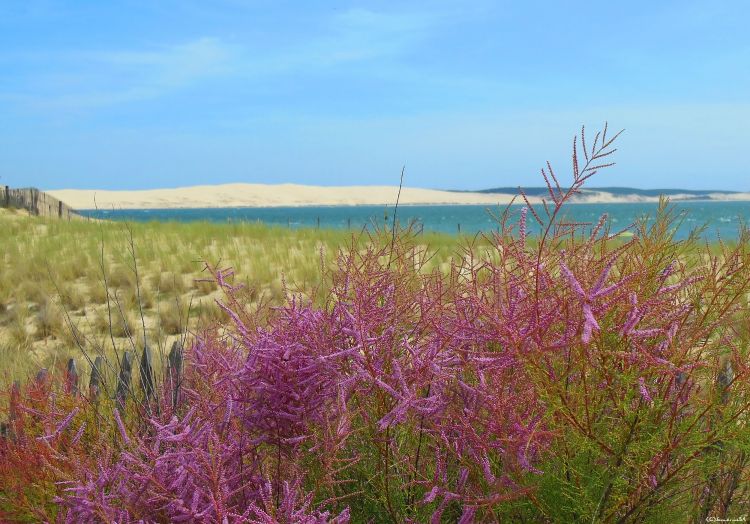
(269, 195)
(266, 195)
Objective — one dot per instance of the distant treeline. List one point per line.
(543, 191)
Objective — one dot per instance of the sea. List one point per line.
(713, 219)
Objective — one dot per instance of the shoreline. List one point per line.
(401, 204)
(294, 195)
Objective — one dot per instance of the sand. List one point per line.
(266, 195)
(270, 195)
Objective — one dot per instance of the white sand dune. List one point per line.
(275, 195)
(266, 195)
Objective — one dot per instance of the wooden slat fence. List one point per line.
(37, 203)
(9, 429)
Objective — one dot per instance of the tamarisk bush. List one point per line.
(574, 374)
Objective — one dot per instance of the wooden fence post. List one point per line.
(123, 381)
(96, 379)
(41, 377)
(15, 397)
(175, 371)
(71, 377)
(7, 196)
(725, 378)
(147, 373)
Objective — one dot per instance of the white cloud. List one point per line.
(174, 65)
(347, 38)
(88, 79)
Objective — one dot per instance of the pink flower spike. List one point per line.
(121, 427)
(64, 424)
(522, 225)
(431, 495)
(78, 434)
(574, 284)
(467, 517)
(589, 325)
(644, 391)
(487, 469)
(602, 278)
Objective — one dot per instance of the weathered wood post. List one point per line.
(96, 380)
(15, 398)
(59, 209)
(71, 377)
(123, 381)
(175, 371)
(41, 377)
(725, 378)
(147, 373)
(34, 197)
(7, 196)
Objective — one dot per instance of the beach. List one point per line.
(290, 195)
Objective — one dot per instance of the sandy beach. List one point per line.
(282, 195)
(266, 195)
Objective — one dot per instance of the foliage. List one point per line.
(571, 377)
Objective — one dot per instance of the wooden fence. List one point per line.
(37, 203)
(9, 429)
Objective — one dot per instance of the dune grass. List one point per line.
(63, 277)
(97, 284)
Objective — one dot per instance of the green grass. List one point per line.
(53, 275)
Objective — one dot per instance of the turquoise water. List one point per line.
(722, 218)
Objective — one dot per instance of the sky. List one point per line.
(465, 94)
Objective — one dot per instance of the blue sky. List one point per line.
(468, 95)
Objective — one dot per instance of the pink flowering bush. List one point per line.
(570, 375)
